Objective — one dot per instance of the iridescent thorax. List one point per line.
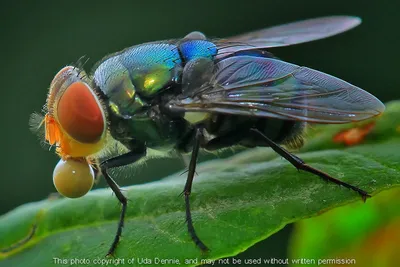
(138, 73)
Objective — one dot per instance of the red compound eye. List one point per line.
(80, 114)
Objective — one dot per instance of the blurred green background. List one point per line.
(39, 38)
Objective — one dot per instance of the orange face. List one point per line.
(75, 121)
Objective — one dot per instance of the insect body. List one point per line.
(196, 93)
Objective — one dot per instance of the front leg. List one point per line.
(118, 161)
(198, 138)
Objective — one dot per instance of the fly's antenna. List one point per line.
(36, 125)
(80, 64)
(36, 121)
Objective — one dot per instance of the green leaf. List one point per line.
(368, 233)
(235, 203)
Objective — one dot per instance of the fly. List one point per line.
(194, 93)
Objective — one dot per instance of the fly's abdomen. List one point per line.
(229, 130)
(136, 74)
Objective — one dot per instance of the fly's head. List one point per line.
(76, 118)
(75, 122)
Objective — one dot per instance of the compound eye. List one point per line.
(80, 114)
(73, 178)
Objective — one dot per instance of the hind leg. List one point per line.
(301, 165)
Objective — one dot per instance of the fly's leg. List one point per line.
(119, 161)
(188, 188)
(301, 165)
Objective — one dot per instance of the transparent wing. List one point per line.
(267, 87)
(287, 34)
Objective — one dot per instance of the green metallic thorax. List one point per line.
(133, 82)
